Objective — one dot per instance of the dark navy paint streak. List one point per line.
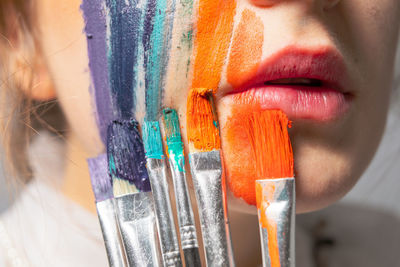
(126, 154)
(95, 29)
(125, 27)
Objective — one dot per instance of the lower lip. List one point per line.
(298, 102)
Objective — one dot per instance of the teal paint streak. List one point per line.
(174, 139)
(152, 140)
(157, 60)
(111, 164)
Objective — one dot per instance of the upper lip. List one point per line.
(323, 63)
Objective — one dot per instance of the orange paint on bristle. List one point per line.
(270, 143)
(260, 137)
(270, 225)
(202, 126)
(213, 36)
(246, 49)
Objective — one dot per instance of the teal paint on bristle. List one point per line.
(151, 135)
(174, 138)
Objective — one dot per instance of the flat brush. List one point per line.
(206, 169)
(132, 194)
(103, 192)
(186, 221)
(267, 132)
(156, 168)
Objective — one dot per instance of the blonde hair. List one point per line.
(20, 53)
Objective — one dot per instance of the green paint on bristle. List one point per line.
(174, 139)
(151, 135)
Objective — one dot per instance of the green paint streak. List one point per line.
(174, 139)
(152, 140)
(184, 15)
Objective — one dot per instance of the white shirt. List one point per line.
(43, 227)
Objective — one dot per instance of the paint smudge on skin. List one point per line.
(152, 140)
(125, 30)
(213, 36)
(174, 139)
(246, 49)
(263, 195)
(180, 54)
(126, 156)
(202, 126)
(257, 147)
(95, 29)
(156, 43)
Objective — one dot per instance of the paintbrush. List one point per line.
(267, 132)
(103, 193)
(207, 176)
(176, 158)
(132, 192)
(156, 168)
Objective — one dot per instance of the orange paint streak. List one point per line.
(246, 50)
(256, 146)
(263, 196)
(202, 130)
(214, 32)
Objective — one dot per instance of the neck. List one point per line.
(76, 184)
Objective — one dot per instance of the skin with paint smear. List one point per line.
(246, 50)
(201, 44)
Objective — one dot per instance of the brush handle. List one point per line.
(186, 219)
(112, 238)
(165, 220)
(206, 172)
(192, 257)
(276, 213)
(137, 225)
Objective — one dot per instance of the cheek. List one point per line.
(65, 48)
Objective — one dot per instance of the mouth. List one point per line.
(295, 82)
(304, 83)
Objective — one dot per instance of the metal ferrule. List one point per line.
(185, 212)
(112, 239)
(165, 220)
(277, 215)
(206, 172)
(138, 229)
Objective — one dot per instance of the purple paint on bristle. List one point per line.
(126, 157)
(101, 181)
(95, 29)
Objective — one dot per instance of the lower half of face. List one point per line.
(328, 67)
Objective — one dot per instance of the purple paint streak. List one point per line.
(95, 29)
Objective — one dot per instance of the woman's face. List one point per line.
(327, 64)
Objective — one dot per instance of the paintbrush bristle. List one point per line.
(126, 158)
(270, 143)
(152, 140)
(202, 122)
(174, 138)
(171, 126)
(101, 181)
